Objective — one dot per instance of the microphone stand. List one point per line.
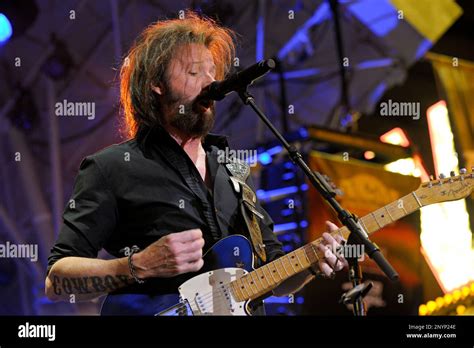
(357, 234)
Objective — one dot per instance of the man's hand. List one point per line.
(171, 255)
(328, 266)
(331, 263)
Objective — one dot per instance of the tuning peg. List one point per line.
(463, 171)
(452, 175)
(430, 183)
(441, 177)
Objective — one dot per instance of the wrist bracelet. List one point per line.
(133, 250)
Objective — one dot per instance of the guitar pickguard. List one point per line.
(209, 294)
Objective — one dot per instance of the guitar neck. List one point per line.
(264, 279)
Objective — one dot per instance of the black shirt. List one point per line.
(138, 191)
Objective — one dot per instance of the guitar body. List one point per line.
(205, 294)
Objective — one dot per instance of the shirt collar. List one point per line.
(148, 136)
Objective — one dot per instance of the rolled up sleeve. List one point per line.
(90, 216)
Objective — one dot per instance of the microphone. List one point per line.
(219, 89)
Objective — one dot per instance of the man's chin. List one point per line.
(207, 122)
(199, 129)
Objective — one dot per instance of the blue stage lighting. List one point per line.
(6, 30)
(265, 158)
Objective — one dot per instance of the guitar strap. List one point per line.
(247, 200)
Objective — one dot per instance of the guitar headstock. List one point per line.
(445, 188)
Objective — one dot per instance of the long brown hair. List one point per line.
(147, 60)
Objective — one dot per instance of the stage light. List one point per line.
(5, 29)
(431, 306)
(303, 132)
(279, 228)
(465, 292)
(460, 309)
(368, 155)
(439, 302)
(453, 303)
(275, 194)
(265, 158)
(445, 232)
(16, 17)
(395, 136)
(423, 310)
(408, 166)
(404, 166)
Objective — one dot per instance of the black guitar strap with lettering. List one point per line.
(247, 201)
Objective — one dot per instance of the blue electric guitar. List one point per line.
(233, 284)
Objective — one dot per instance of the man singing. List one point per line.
(156, 201)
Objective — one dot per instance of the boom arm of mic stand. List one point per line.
(318, 182)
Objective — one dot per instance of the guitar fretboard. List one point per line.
(264, 279)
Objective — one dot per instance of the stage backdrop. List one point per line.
(367, 187)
